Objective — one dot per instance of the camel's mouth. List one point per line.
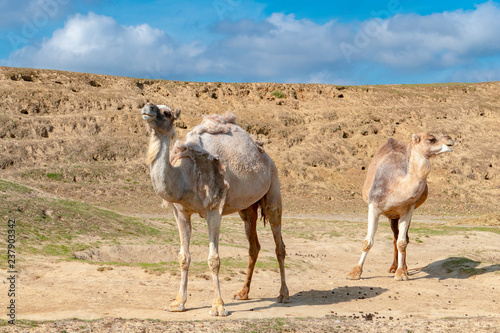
(447, 141)
(445, 149)
(148, 116)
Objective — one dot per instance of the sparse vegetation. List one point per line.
(56, 226)
(335, 324)
(424, 230)
(54, 176)
(278, 94)
(463, 265)
(97, 143)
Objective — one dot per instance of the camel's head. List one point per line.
(430, 145)
(159, 118)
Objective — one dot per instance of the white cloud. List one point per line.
(439, 40)
(431, 44)
(284, 47)
(281, 48)
(97, 43)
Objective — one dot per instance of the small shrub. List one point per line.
(54, 176)
(278, 94)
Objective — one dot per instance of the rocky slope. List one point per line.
(81, 136)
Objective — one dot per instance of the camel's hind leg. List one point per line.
(250, 215)
(395, 231)
(272, 209)
(184, 225)
(373, 216)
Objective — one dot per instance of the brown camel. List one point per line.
(219, 170)
(396, 184)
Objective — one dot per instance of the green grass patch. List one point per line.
(463, 266)
(161, 267)
(270, 325)
(278, 94)
(56, 250)
(55, 176)
(6, 186)
(440, 230)
(57, 227)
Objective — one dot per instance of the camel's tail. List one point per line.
(262, 212)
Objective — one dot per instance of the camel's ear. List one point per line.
(177, 113)
(415, 138)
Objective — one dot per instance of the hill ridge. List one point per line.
(85, 130)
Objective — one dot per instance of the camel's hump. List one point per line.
(215, 124)
(392, 146)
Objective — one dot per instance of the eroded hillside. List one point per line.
(81, 136)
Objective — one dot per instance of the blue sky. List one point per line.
(337, 42)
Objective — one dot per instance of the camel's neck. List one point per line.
(418, 167)
(167, 180)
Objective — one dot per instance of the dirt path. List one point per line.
(452, 276)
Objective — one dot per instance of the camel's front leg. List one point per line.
(184, 225)
(404, 225)
(214, 221)
(373, 216)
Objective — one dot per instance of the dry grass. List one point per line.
(81, 136)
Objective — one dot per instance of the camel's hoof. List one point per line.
(393, 269)
(401, 275)
(283, 299)
(241, 296)
(218, 308)
(175, 307)
(355, 273)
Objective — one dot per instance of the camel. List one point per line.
(395, 185)
(219, 170)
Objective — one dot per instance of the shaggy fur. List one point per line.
(215, 124)
(218, 170)
(207, 173)
(153, 149)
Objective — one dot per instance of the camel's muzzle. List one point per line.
(445, 149)
(148, 113)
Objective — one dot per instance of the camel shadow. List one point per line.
(455, 268)
(317, 297)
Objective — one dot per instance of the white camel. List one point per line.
(219, 170)
(396, 184)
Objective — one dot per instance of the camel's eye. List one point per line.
(432, 140)
(167, 114)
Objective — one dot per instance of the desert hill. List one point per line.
(81, 136)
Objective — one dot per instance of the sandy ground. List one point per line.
(50, 289)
